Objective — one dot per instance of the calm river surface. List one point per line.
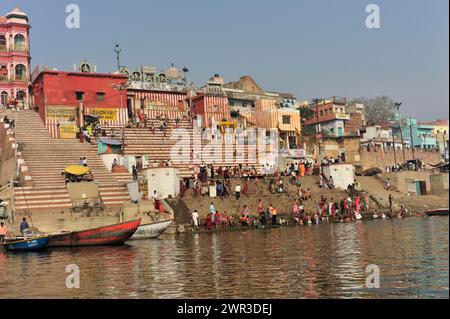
(326, 261)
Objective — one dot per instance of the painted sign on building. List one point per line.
(61, 112)
(105, 114)
(67, 131)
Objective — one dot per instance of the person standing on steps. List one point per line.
(274, 213)
(3, 232)
(390, 198)
(135, 173)
(237, 191)
(195, 218)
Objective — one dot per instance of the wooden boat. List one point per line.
(108, 235)
(28, 244)
(437, 212)
(152, 231)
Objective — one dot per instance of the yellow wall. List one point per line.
(269, 116)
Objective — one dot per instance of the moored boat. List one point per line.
(108, 235)
(437, 212)
(152, 230)
(27, 244)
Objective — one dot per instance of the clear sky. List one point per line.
(313, 48)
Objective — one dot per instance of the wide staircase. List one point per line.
(152, 143)
(46, 159)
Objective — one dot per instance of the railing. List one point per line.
(20, 48)
(20, 78)
(4, 78)
(3, 48)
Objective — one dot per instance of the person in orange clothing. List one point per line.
(302, 169)
(3, 232)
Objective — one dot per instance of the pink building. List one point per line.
(14, 59)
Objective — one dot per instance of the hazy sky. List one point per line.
(314, 48)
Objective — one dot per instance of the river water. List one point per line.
(324, 261)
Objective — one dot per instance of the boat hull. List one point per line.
(438, 212)
(151, 231)
(109, 235)
(33, 244)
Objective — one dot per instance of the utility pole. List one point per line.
(412, 138)
(118, 49)
(401, 130)
(121, 88)
(393, 144)
(445, 145)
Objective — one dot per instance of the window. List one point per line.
(231, 103)
(4, 98)
(79, 96)
(19, 42)
(286, 119)
(321, 112)
(21, 72)
(100, 96)
(2, 43)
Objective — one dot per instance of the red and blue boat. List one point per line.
(27, 244)
(108, 235)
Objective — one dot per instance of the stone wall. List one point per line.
(382, 159)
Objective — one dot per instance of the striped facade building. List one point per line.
(171, 104)
(211, 108)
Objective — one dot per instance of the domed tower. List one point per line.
(15, 59)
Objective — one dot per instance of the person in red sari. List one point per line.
(245, 188)
(209, 223)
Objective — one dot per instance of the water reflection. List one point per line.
(326, 261)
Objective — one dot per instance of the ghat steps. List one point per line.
(46, 159)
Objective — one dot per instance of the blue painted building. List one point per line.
(422, 135)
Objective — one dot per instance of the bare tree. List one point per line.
(378, 109)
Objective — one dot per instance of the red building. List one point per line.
(14, 59)
(212, 105)
(67, 97)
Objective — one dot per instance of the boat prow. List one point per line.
(437, 212)
(152, 230)
(27, 244)
(108, 235)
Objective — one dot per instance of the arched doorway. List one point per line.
(21, 96)
(4, 98)
(21, 72)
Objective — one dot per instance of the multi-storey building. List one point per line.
(252, 106)
(14, 59)
(64, 99)
(154, 92)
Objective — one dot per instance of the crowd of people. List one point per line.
(216, 183)
(346, 210)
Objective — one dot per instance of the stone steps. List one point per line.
(46, 159)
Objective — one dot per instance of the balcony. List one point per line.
(3, 47)
(4, 78)
(20, 48)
